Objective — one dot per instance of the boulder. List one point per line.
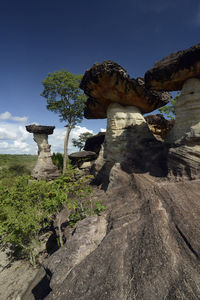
(108, 83)
(170, 73)
(44, 169)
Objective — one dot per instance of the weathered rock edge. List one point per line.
(171, 72)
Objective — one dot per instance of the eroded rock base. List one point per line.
(44, 169)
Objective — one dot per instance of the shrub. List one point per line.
(28, 208)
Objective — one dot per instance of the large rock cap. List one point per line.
(170, 73)
(41, 129)
(108, 82)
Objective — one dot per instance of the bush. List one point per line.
(28, 208)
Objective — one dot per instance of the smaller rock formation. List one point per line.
(181, 70)
(78, 158)
(44, 169)
(159, 126)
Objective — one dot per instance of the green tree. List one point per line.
(64, 97)
(169, 109)
(80, 142)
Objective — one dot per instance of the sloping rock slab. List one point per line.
(151, 249)
(171, 72)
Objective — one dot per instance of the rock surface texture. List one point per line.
(170, 73)
(44, 169)
(149, 248)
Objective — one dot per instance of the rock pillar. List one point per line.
(129, 144)
(44, 168)
(184, 138)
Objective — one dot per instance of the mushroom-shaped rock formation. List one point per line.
(108, 83)
(170, 73)
(44, 168)
(181, 70)
(122, 100)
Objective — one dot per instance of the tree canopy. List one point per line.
(65, 98)
(80, 142)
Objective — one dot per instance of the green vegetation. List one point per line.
(57, 159)
(80, 142)
(64, 97)
(169, 110)
(14, 165)
(28, 207)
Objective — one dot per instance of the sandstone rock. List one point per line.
(159, 126)
(15, 277)
(184, 138)
(187, 108)
(86, 165)
(94, 142)
(170, 73)
(44, 169)
(108, 82)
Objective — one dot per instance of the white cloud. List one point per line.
(102, 130)
(14, 139)
(7, 116)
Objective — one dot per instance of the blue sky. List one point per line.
(42, 36)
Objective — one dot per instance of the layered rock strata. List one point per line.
(44, 169)
(184, 138)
